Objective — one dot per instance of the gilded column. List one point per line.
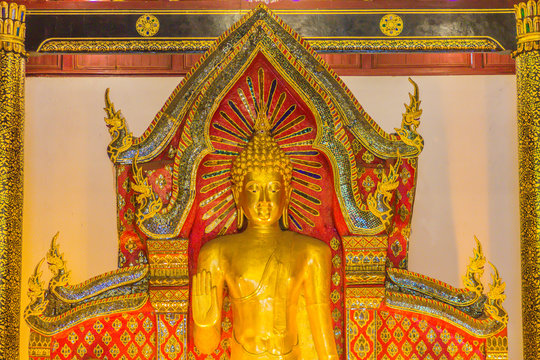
(528, 92)
(12, 63)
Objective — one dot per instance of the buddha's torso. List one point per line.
(264, 277)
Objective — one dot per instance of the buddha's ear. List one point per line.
(235, 194)
(285, 214)
(285, 217)
(239, 210)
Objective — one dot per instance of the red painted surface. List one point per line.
(343, 64)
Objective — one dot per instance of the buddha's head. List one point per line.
(261, 177)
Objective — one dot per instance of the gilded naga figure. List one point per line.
(264, 267)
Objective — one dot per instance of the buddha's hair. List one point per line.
(262, 154)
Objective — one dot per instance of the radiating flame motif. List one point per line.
(262, 99)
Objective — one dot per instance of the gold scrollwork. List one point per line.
(411, 121)
(124, 45)
(379, 203)
(496, 298)
(156, 45)
(57, 265)
(149, 203)
(122, 139)
(409, 45)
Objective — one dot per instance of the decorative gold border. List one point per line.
(277, 11)
(410, 44)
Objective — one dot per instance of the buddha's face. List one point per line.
(263, 197)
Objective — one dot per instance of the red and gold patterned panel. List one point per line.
(131, 335)
(132, 243)
(398, 240)
(403, 335)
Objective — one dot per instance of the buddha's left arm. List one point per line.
(317, 293)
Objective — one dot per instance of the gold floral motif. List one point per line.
(406, 45)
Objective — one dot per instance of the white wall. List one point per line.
(467, 182)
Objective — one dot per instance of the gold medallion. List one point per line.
(147, 25)
(391, 25)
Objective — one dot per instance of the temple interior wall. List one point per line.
(467, 183)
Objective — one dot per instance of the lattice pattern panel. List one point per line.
(124, 336)
(413, 337)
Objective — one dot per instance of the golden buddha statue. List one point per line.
(264, 268)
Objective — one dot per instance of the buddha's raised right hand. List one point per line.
(204, 300)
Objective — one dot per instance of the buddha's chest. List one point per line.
(261, 272)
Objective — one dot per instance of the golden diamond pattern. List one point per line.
(106, 338)
(334, 296)
(65, 350)
(437, 349)
(125, 338)
(117, 324)
(336, 260)
(398, 334)
(72, 337)
(114, 350)
(140, 338)
(81, 350)
(147, 351)
(336, 279)
(132, 324)
(89, 338)
(334, 244)
(132, 350)
(98, 351)
(147, 324)
(392, 349)
(98, 326)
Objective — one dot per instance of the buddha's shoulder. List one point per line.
(305, 242)
(214, 245)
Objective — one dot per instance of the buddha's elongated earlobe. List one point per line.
(285, 214)
(285, 217)
(239, 210)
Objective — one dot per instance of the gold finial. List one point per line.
(122, 139)
(36, 292)
(411, 121)
(57, 265)
(262, 123)
(473, 277)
